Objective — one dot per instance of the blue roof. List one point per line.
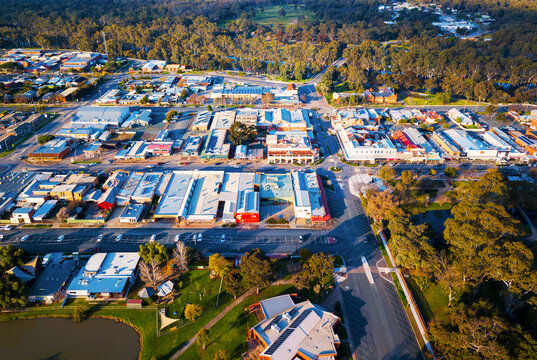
(95, 285)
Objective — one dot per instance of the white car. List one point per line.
(100, 238)
(223, 238)
(119, 237)
(60, 238)
(1, 237)
(177, 237)
(24, 238)
(199, 237)
(153, 237)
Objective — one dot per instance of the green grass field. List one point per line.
(270, 15)
(432, 100)
(231, 331)
(432, 300)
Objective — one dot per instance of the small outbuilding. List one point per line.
(146, 293)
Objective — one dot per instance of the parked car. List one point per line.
(153, 238)
(177, 237)
(118, 238)
(223, 238)
(24, 238)
(100, 238)
(199, 236)
(60, 238)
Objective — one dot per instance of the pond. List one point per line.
(63, 339)
(436, 219)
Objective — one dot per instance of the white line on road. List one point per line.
(368, 271)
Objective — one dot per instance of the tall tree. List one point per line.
(257, 269)
(180, 257)
(202, 338)
(219, 265)
(233, 284)
(192, 311)
(151, 272)
(153, 251)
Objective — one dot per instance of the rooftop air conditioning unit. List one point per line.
(275, 327)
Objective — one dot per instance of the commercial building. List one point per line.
(472, 147)
(44, 210)
(216, 146)
(105, 275)
(309, 198)
(69, 192)
(445, 143)
(291, 331)
(363, 145)
(204, 199)
(222, 120)
(145, 190)
(247, 116)
(111, 116)
(291, 147)
(176, 196)
(22, 215)
(460, 118)
(240, 194)
(363, 118)
(202, 122)
(111, 97)
(53, 279)
(192, 146)
(132, 213)
(124, 195)
(141, 118)
(81, 61)
(53, 150)
(429, 152)
(529, 145)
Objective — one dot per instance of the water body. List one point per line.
(63, 339)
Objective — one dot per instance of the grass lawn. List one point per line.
(231, 332)
(433, 100)
(432, 301)
(270, 15)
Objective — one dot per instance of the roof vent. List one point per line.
(275, 327)
(287, 316)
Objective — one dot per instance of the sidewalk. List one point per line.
(213, 321)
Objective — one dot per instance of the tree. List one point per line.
(305, 255)
(63, 214)
(144, 100)
(153, 251)
(256, 269)
(219, 265)
(471, 332)
(233, 284)
(150, 272)
(492, 187)
(451, 172)
(45, 139)
(221, 354)
(209, 108)
(180, 257)
(192, 311)
(80, 312)
(318, 267)
(10, 256)
(379, 204)
(170, 115)
(387, 173)
(13, 292)
(267, 98)
(240, 133)
(282, 12)
(202, 338)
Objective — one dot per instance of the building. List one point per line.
(309, 198)
(132, 213)
(240, 93)
(460, 118)
(247, 116)
(192, 146)
(362, 118)
(427, 150)
(176, 196)
(140, 118)
(387, 95)
(529, 145)
(204, 197)
(69, 192)
(472, 147)
(105, 275)
(291, 147)
(81, 61)
(145, 190)
(53, 150)
(240, 194)
(222, 120)
(202, 122)
(111, 97)
(22, 215)
(216, 146)
(45, 210)
(363, 145)
(111, 116)
(445, 143)
(53, 279)
(291, 331)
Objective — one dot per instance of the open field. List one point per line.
(270, 15)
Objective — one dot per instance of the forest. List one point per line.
(221, 34)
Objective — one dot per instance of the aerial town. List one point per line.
(268, 180)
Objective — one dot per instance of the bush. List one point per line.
(45, 138)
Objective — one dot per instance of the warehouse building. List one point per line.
(53, 150)
(472, 147)
(363, 145)
(309, 198)
(111, 116)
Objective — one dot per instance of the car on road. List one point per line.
(330, 240)
(153, 238)
(1, 237)
(223, 238)
(60, 238)
(24, 238)
(100, 238)
(364, 238)
(177, 237)
(6, 228)
(300, 239)
(119, 237)
(199, 236)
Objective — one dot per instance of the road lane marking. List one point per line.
(368, 271)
